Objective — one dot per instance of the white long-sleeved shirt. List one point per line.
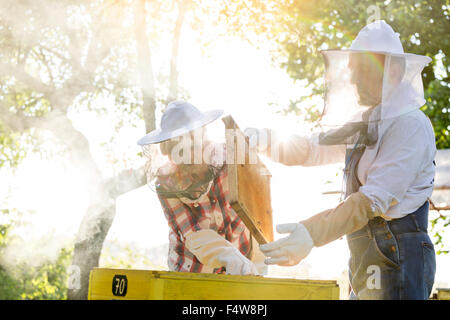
(397, 173)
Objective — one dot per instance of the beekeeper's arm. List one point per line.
(295, 149)
(208, 246)
(401, 156)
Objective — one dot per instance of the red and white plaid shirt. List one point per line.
(211, 211)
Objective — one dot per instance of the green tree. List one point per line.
(58, 57)
(45, 282)
(24, 281)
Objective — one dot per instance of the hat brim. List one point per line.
(158, 135)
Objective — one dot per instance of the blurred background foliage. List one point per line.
(24, 280)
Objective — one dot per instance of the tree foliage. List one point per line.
(44, 282)
(59, 57)
(23, 280)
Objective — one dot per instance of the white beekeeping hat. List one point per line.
(379, 37)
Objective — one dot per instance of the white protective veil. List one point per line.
(372, 81)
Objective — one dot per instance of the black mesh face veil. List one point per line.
(199, 185)
(362, 132)
(181, 167)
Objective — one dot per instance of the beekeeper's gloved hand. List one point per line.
(236, 263)
(290, 250)
(214, 251)
(350, 215)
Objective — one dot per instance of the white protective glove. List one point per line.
(290, 250)
(214, 251)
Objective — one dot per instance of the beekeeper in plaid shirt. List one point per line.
(188, 173)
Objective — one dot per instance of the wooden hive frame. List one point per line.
(249, 184)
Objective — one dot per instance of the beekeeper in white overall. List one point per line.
(372, 120)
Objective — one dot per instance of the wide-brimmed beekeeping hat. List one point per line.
(179, 118)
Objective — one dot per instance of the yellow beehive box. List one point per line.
(106, 284)
(443, 294)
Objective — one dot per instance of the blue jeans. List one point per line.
(392, 259)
